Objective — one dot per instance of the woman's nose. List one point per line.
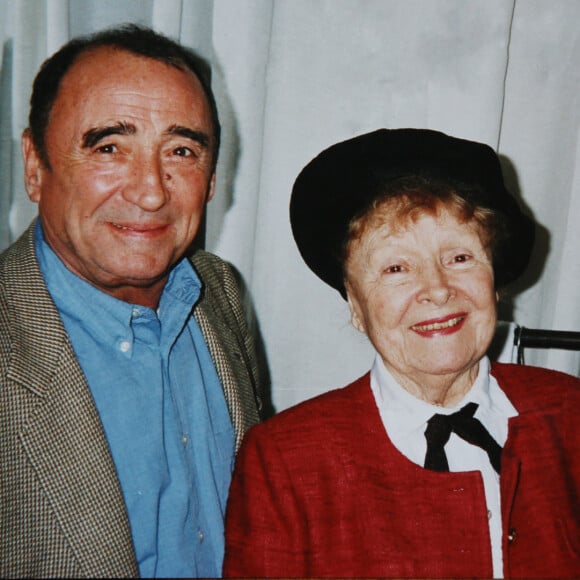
(147, 187)
(436, 286)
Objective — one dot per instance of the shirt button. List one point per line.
(184, 439)
(200, 536)
(512, 535)
(136, 313)
(125, 346)
(489, 514)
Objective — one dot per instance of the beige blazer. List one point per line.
(62, 512)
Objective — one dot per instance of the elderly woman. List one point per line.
(436, 463)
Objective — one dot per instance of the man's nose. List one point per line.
(147, 187)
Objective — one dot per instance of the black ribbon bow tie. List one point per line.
(464, 424)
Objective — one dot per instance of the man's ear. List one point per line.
(211, 192)
(33, 167)
(355, 315)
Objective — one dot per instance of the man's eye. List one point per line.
(110, 148)
(183, 152)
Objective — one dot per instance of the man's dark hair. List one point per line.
(132, 38)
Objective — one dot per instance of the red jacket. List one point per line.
(320, 491)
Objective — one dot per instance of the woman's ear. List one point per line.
(33, 167)
(355, 314)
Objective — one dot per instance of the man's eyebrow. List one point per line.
(197, 136)
(96, 134)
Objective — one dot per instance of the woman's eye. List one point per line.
(461, 258)
(394, 269)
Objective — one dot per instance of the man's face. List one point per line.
(129, 142)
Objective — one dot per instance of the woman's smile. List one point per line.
(445, 325)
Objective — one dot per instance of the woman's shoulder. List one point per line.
(534, 386)
(524, 373)
(311, 437)
(332, 408)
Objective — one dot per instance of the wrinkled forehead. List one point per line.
(385, 224)
(107, 85)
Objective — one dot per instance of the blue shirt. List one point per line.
(163, 411)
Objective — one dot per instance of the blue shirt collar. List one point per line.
(80, 299)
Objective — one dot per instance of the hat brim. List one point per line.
(343, 180)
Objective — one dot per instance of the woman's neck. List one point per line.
(441, 390)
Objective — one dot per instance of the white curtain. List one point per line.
(294, 76)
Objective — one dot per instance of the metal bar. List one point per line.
(538, 338)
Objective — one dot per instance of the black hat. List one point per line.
(342, 181)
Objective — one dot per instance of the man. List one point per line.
(127, 372)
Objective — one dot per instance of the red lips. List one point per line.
(441, 326)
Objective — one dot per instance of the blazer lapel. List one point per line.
(221, 331)
(62, 434)
(227, 361)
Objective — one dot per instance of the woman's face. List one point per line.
(424, 294)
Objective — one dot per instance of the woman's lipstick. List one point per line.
(440, 326)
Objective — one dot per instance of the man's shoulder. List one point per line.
(206, 259)
(24, 297)
(211, 269)
(221, 283)
(28, 316)
(19, 257)
(19, 270)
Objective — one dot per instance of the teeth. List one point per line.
(120, 227)
(439, 325)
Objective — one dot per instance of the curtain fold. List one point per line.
(293, 76)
